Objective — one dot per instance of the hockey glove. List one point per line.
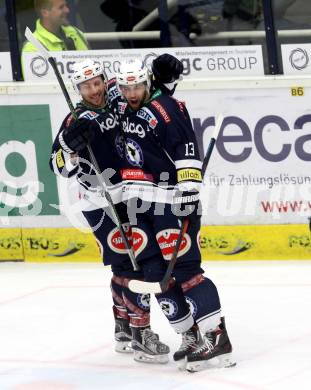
(187, 205)
(77, 136)
(167, 71)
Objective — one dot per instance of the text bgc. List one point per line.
(191, 65)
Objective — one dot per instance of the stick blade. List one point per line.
(219, 120)
(141, 287)
(32, 39)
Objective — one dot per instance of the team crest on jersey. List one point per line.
(167, 241)
(121, 107)
(193, 306)
(139, 240)
(134, 153)
(143, 301)
(147, 115)
(115, 241)
(168, 307)
(89, 115)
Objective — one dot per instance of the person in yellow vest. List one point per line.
(53, 29)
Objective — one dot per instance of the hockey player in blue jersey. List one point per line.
(161, 176)
(70, 157)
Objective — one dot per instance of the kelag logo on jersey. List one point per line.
(147, 115)
(27, 186)
(110, 122)
(133, 153)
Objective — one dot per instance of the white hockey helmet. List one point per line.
(86, 70)
(133, 72)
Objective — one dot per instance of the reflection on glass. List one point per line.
(124, 17)
(115, 24)
(138, 23)
(292, 14)
(211, 22)
(292, 22)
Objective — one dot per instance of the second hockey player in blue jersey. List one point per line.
(161, 176)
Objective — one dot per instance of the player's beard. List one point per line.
(145, 97)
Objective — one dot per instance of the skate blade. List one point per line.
(181, 364)
(143, 357)
(222, 361)
(123, 347)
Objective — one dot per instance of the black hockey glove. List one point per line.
(166, 70)
(187, 205)
(77, 135)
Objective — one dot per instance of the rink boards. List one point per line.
(256, 193)
(261, 242)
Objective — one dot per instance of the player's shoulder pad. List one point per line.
(79, 111)
(146, 114)
(161, 107)
(70, 118)
(181, 105)
(88, 114)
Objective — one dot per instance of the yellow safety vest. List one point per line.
(54, 43)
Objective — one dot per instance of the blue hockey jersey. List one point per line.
(103, 145)
(160, 153)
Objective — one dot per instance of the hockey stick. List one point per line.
(31, 38)
(139, 286)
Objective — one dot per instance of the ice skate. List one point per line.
(215, 351)
(147, 346)
(191, 340)
(123, 336)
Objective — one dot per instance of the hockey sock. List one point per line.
(175, 308)
(119, 307)
(137, 306)
(203, 299)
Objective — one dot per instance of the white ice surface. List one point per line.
(56, 330)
